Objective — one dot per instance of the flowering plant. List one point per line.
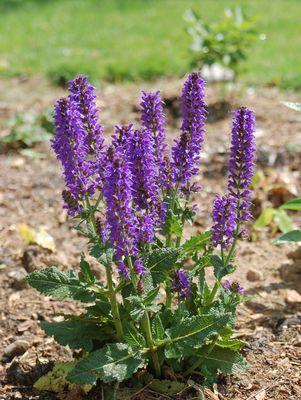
(130, 198)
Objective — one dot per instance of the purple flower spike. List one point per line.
(234, 287)
(123, 271)
(117, 191)
(139, 268)
(82, 93)
(186, 151)
(241, 167)
(181, 283)
(70, 147)
(153, 119)
(224, 220)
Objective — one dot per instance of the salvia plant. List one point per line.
(131, 199)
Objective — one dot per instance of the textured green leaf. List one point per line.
(103, 254)
(172, 225)
(76, 334)
(132, 336)
(136, 307)
(284, 221)
(87, 274)
(162, 260)
(220, 270)
(196, 243)
(157, 328)
(293, 204)
(115, 362)
(290, 237)
(222, 359)
(191, 333)
(151, 296)
(58, 284)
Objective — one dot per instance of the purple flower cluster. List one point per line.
(224, 220)
(233, 208)
(78, 142)
(234, 287)
(181, 283)
(153, 119)
(117, 191)
(186, 151)
(241, 167)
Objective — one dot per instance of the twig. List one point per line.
(266, 387)
(141, 390)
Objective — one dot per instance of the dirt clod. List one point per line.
(253, 275)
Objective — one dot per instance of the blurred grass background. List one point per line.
(137, 39)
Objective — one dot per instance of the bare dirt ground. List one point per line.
(270, 322)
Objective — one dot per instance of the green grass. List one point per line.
(130, 39)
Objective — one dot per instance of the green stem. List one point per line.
(201, 359)
(114, 305)
(111, 289)
(145, 323)
(213, 293)
(168, 296)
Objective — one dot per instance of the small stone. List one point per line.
(291, 296)
(253, 275)
(18, 275)
(16, 348)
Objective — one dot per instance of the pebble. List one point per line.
(291, 296)
(17, 348)
(253, 275)
(17, 275)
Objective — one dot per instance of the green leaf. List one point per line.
(293, 204)
(74, 333)
(87, 274)
(290, 237)
(196, 243)
(136, 307)
(151, 296)
(221, 270)
(265, 218)
(103, 254)
(162, 260)
(191, 333)
(222, 359)
(58, 284)
(157, 328)
(172, 225)
(55, 380)
(132, 336)
(115, 362)
(166, 387)
(284, 221)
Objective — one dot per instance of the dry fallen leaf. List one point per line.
(41, 237)
(209, 395)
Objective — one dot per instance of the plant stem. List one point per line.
(145, 323)
(114, 305)
(111, 288)
(201, 359)
(213, 293)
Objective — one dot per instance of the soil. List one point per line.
(270, 322)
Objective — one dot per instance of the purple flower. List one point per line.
(123, 271)
(150, 208)
(181, 283)
(153, 119)
(186, 151)
(82, 93)
(139, 267)
(234, 287)
(224, 221)
(241, 167)
(71, 149)
(117, 191)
